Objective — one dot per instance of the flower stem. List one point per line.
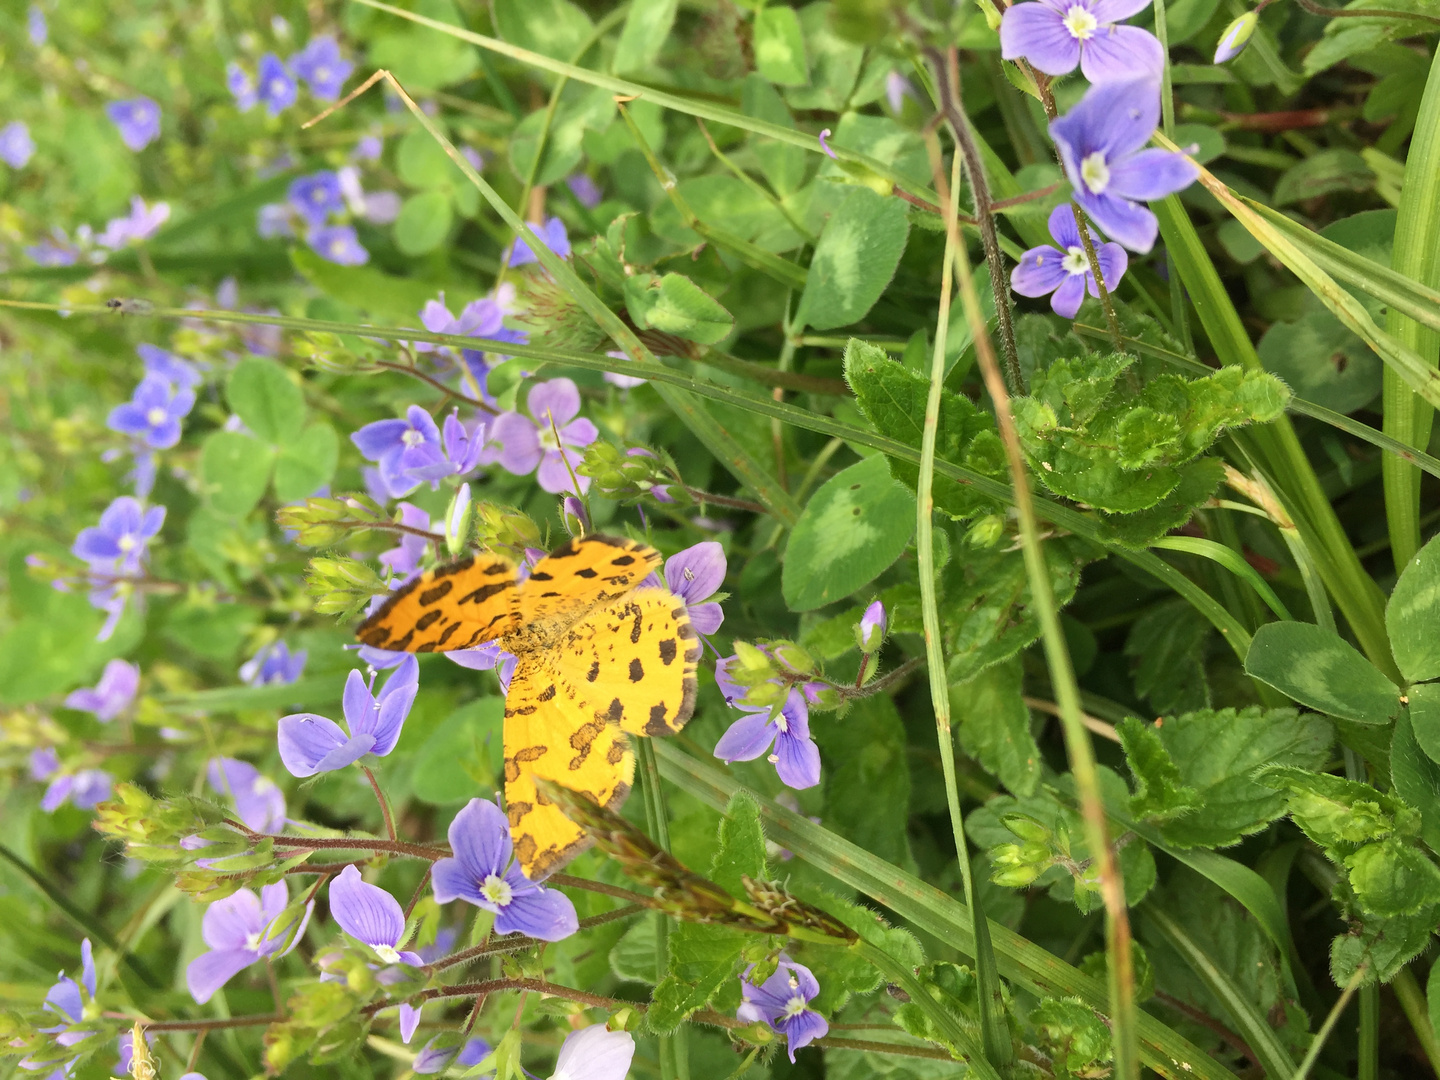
(414, 372)
(380, 798)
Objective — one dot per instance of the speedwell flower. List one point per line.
(259, 802)
(119, 543)
(694, 575)
(317, 196)
(277, 88)
(138, 121)
(338, 244)
(68, 1004)
(112, 695)
(370, 915)
(434, 1058)
(273, 665)
(321, 65)
(140, 224)
(16, 146)
(587, 193)
(783, 1002)
(552, 234)
(595, 1053)
(1236, 36)
(796, 757)
(241, 86)
(483, 872)
(1100, 142)
(388, 442)
(1064, 272)
(547, 442)
(311, 744)
(86, 789)
(236, 929)
(873, 624)
(177, 372)
(154, 413)
(1055, 35)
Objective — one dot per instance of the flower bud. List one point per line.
(793, 658)
(871, 631)
(987, 531)
(504, 526)
(1026, 828)
(821, 696)
(572, 513)
(1236, 36)
(751, 666)
(458, 520)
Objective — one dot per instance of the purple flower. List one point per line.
(273, 665)
(387, 442)
(369, 148)
(487, 657)
(57, 251)
(44, 763)
(68, 1004)
(548, 441)
(479, 318)
(1100, 142)
(39, 31)
(873, 623)
(277, 88)
(321, 65)
(241, 86)
(1236, 36)
(16, 146)
(112, 695)
(370, 915)
(624, 382)
(552, 234)
(138, 121)
(586, 191)
(1055, 35)
(259, 802)
(796, 757)
(595, 1053)
(317, 196)
(140, 224)
(273, 220)
(694, 575)
(783, 1002)
(404, 559)
(435, 1056)
(177, 372)
(409, 1020)
(238, 930)
(1065, 271)
(86, 789)
(311, 744)
(482, 872)
(458, 453)
(154, 413)
(897, 89)
(338, 244)
(118, 544)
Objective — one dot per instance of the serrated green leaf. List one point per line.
(235, 470)
(993, 726)
(1160, 791)
(867, 751)
(266, 399)
(673, 304)
(1393, 877)
(702, 959)
(742, 846)
(854, 260)
(1168, 645)
(1318, 668)
(1412, 616)
(1339, 814)
(1073, 1035)
(851, 530)
(307, 464)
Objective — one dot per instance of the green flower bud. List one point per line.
(1026, 827)
(793, 658)
(987, 531)
(1236, 36)
(504, 526)
(458, 519)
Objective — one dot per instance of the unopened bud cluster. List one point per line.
(325, 522)
(769, 670)
(1040, 848)
(633, 474)
(498, 526)
(329, 352)
(342, 586)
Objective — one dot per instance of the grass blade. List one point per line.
(1232, 561)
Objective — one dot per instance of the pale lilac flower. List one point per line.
(138, 121)
(1055, 35)
(1064, 272)
(586, 191)
(1100, 142)
(483, 872)
(119, 543)
(624, 382)
(317, 196)
(897, 89)
(387, 442)
(1236, 36)
(86, 788)
(783, 1002)
(238, 929)
(382, 207)
(140, 224)
(241, 87)
(338, 244)
(487, 657)
(595, 1053)
(35, 24)
(44, 763)
(259, 802)
(112, 695)
(369, 148)
(695, 574)
(545, 444)
(409, 1020)
(16, 146)
(311, 744)
(273, 220)
(321, 65)
(55, 251)
(277, 88)
(437, 1054)
(872, 627)
(154, 413)
(177, 372)
(577, 520)
(65, 1000)
(404, 559)
(371, 916)
(457, 453)
(796, 757)
(552, 234)
(479, 318)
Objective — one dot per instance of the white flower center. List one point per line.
(548, 440)
(1075, 262)
(387, 953)
(1095, 172)
(411, 436)
(321, 75)
(126, 543)
(262, 784)
(252, 941)
(337, 247)
(782, 724)
(1081, 23)
(156, 416)
(497, 890)
(795, 1006)
(278, 87)
(318, 195)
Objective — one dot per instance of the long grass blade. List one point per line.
(1231, 560)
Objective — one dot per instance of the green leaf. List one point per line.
(1393, 877)
(235, 470)
(834, 63)
(1160, 791)
(1318, 668)
(868, 751)
(1324, 173)
(1416, 778)
(554, 28)
(1339, 814)
(564, 143)
(851, 530)
(779, 46)
(742, 846)
(373, 291)
(647, 25)
(784, 165)
(462, 756)
(994, 726)
(419, 57)
(306, 465)
(423, 163)
(1322, 361)
(702, 959)
(1412, 616)
(266, 399)
(1072, 1034)
(633, 956)
(1387, 944)
(1168, 646)
(423, 223)
(854, 260)
(675, 305)
(1425, 717)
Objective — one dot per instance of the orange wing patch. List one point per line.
(455, 606)
(579, 575)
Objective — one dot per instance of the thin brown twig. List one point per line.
(419, 891)
(517, 943)
(599, 887)
(380, 798)
(1206, 1020)
(406, 369)
(727, 501)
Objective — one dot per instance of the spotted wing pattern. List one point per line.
(578, 576)
(455, 606)
(548, 735)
